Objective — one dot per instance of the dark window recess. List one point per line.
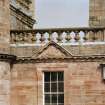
(54, 88)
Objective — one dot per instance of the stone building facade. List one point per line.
(61, 66)
(22, 14)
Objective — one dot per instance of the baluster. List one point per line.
(29, 36)
(12, 38)
(17, 37)
(77, 37)
(42, 38)
(59, 38)
(52, 36)
(63, 35)
(101, 35)
(20, 37)
(91, 36)
(33, 37)
(95, 38)
(98, 35)
(81, 34)
(86, 36)
(72, 34)
(68, 37)
(26, 37)
(46, 37)
(49, 36)
(38, 36)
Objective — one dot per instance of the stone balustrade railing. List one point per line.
(59, 35)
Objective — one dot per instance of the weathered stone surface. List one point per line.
(27, 51)
(21, 14)
(4, 26)
(97, 13)
(52, 50)
(4, 83)
(82, 83)
(22, 83)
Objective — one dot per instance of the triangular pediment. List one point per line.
(52, 50)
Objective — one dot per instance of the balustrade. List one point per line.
(59, 35)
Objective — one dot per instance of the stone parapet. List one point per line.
(58, 35)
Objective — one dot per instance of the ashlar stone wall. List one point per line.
(5, 83)
(97, 13)
(83, 84)
(4, 26)
(4, 49)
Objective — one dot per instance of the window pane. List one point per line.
(60, 87)
(47, 98)
(53, 76)
(60, 98)
(54, 104)
(53, 87)
(54, 98)
(60, 76)
(47, 87)
(47, 77)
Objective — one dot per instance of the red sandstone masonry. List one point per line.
(82, 83)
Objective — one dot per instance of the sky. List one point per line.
(61, 13)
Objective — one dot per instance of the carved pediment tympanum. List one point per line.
(52, 50)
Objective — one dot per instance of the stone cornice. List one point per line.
(41, 57)
(62, 29)
(7, 57)
(28, 1)
(97, 58)
(24, 17)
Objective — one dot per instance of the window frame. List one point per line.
(57, 93)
